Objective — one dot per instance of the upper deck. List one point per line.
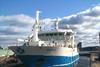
(55, 34)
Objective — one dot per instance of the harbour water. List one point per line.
(13, 61)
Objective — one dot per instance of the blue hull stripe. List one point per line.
(48, 61)
(60, 65)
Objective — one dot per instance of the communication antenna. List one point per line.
(37, 16)
(57, 22)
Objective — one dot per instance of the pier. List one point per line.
(89, 57)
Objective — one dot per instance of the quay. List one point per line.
(89, 57)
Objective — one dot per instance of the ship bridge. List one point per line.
(59, 37)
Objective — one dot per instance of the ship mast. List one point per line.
(56, 24)
(99, 38)
(36, 27)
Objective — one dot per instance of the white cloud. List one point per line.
(18, 26)
(86, 23)
(14, 26)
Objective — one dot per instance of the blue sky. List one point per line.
(17, 18)
(49, 8)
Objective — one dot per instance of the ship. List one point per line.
(54, 48)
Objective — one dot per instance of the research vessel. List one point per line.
(55, 48)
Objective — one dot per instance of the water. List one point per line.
(84, 62)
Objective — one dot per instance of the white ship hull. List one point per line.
(35, 56)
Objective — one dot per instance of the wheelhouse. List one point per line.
(65, 38)
(52, 36)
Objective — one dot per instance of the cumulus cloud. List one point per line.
(85, 23)
(15, 24)
(11, 27)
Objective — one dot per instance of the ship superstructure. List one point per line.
(54, 48)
